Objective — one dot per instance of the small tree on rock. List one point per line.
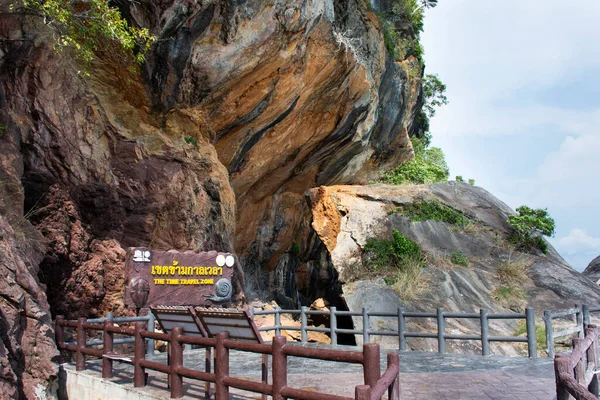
(528, 225)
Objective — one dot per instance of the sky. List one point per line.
(523, 119)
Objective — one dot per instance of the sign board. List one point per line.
(177, 278)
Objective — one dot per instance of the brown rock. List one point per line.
(297, 95)
(28, 354)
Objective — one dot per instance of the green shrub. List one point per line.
(459, 178)
(400, 261)
(472, 182)
(432, 210)
(416, 171)
(459, 259)
(528, 226)
(390, 254)
(409, 10)
(390, 36)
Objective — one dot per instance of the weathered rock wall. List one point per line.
(87, 164)
(297, 94)
(27, 352)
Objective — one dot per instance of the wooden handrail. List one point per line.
(575, 372)
(279, 350)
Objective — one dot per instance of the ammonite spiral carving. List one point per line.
(223, 291)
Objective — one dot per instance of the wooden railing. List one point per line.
(375, 385)
(576, 373)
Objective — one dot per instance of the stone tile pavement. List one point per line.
(423, 376)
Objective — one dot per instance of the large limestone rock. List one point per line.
(345, 217)
(592, 271)
(297, 94)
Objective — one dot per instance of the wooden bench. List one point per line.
(169, 317)
(239, 324)
(207, 322)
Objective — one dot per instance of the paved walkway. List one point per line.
(423, 376)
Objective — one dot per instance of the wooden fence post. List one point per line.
(562, 364)
(81, 343)
(279, 367)
(362, 392)
(580, 367)
(579, 317)
(371, 367)
(176, 362)
(59, 335)
(592, 357)
(586, 315)
(394, 389)
(139, 373)
(221, 366)
(59, 331)
(107, 348)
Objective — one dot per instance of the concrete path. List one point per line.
(423, 376)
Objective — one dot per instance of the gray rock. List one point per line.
(371, 212)
(592, 271)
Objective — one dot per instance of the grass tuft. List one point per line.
(459, 259)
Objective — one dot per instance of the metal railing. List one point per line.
(440, 316)
(576, 372)
(374, 387)
(581, 315)
(149, 318)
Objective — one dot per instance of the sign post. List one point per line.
(178, 278)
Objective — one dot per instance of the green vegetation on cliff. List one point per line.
(431, 210)
(87, 27)
(402, 25)
(425, 168)
(528, 226)
(400, 261)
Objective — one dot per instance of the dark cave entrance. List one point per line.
(300, 280)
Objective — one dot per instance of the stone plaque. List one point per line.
(173, 278)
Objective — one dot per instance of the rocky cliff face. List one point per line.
(240, 108)
(298, 94)
(592, 271)
(346, 217)
(28, 354)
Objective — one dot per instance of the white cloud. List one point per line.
(578, 241)
(577, 161)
